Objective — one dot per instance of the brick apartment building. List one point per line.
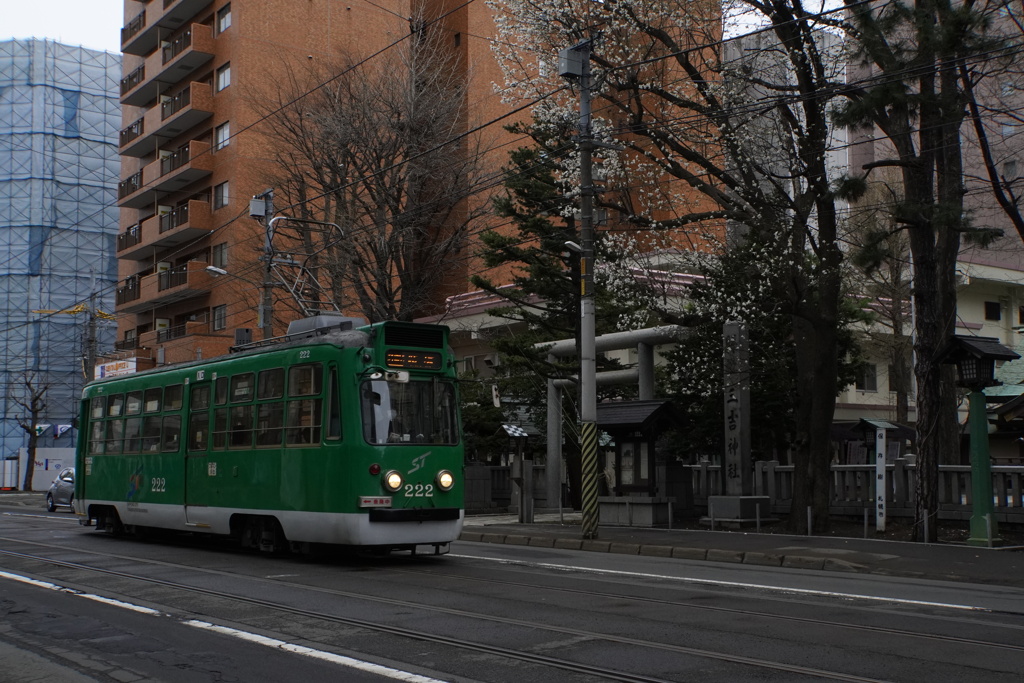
(198, 76)
(193, 153)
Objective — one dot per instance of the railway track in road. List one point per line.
(38, 562)
(1017, 631)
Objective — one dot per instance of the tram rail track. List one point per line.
(880, 630)
(460, 643)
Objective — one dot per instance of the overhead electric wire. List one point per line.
(480, 127)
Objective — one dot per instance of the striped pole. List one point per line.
(588, 447)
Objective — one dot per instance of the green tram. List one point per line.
(337, 435)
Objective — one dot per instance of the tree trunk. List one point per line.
(30, 462)
(816, 380)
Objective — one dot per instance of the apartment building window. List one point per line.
(220, 317)
(219, 255)
(223, 78)
(1010, 170)
(220, 195)
(222, 135)
(868, 378)
(992, 310)
(224, 18)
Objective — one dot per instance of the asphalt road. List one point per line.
(194, 610)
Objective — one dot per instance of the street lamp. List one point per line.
(975, 359)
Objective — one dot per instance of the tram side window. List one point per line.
(201, 397)
(271, 384)
(221, 395)
(242, 388)
(171, 433)
(151, 433)
(152, 400)
(269, 424)
(198, 431)
(115, 436)
(133, 434)
(304, 422)
(220, 428)
(115, 404)
(305, 380)
(172, 397)
(97, 407)
(97, 439)
(133, 406)
(333, 407)
(241, 427)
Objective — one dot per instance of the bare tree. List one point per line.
(381, 149)
(29, 395)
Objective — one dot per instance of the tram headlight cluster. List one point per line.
(392, 480)
(445, 480)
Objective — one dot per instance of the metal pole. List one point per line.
(267, 302)
(588, 364)
(90, 340)
(553, 472)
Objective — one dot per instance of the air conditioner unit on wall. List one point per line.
(162, 323)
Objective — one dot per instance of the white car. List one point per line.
(62, 490)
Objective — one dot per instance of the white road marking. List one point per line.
(329, 657)
(718, 582)
(368, 667)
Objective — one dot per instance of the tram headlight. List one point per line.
(445, 480)
(392, 480)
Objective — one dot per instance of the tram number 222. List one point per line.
(419, 490)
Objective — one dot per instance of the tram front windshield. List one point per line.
(409, 412)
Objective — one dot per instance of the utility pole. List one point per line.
(574, 63)
(261, 207)
(90, 340)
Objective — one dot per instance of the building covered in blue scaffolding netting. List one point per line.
(59, 167)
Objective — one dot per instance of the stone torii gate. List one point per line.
(642, 375)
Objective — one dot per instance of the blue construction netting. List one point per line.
(59, 119)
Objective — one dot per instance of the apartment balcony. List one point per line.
(133, 193)
(161, 18)
(176, 59)
(186, 342)
(127, 344)
(147, 292)
(181, 224)
(180, 168)
(188, 329)
(175, 114)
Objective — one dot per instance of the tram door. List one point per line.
(197, 445)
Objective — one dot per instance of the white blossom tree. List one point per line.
(712, 141)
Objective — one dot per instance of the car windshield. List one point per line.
(420, 411)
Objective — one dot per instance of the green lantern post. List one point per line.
(975, 359)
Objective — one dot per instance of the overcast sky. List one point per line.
(91, 23)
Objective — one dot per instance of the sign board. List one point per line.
(126, 366)
(739, 479)
(881, 481)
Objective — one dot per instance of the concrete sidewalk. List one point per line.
(939, 561)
